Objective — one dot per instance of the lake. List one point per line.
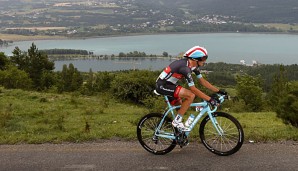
(222, 47)
(115, 64)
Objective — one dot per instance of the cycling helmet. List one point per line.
(197, 53)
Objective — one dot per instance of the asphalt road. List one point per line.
(121, 155)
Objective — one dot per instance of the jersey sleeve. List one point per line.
(186, 72)
(197, 71)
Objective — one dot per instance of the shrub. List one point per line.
(15, 78)
(250, 91)
(288, 107)
(155, 104)
(134, 85)
(103, 81)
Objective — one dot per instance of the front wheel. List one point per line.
(146, 134)
(232, 136)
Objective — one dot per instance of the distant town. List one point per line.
(113, 17)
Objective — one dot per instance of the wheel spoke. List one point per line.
(147, 134)
(226, 143)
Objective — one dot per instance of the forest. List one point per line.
(254, 88)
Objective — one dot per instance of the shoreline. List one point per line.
(21, 38)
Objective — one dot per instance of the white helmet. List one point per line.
(197, 53)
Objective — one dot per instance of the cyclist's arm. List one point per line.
(199, 93)
(187, 73)
(206, 84)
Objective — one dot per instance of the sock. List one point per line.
(178, 118)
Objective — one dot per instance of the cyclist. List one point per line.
(166, 83)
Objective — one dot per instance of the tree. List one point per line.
(288, 105)
(103, 81)
(3, 61)
(48, 79)
(90, 81)
(165, 54)
(77, 80)
(250, 91)
(121, 54)
(20, 59)
(35, 64)
(70, 79)
(279, 88)
(38, 63)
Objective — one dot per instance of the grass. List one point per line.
(265, 126)
(32, 117)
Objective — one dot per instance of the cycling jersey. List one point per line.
(177, 70)
(166, 83)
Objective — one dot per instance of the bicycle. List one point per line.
(220, 132)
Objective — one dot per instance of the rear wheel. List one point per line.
(146, 134)
(229, 142)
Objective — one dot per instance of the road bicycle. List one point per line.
(220, 132)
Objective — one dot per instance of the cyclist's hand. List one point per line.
(214, 101)
(222, 92)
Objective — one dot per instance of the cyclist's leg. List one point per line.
(181, 92)
(176, 92)
(175, 101)
(188, 96)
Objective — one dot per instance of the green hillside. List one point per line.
(32, 117)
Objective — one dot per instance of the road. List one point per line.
(123, 155)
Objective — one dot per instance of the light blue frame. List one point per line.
(205, 109)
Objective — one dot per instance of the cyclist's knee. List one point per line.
(187, 94)
(190, 96)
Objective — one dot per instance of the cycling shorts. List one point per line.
(169, 89)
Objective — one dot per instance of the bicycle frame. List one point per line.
(205, 108)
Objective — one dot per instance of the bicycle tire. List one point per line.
(225, 145)
(146, 130)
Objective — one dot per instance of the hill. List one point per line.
(79, 18)
(256, 11)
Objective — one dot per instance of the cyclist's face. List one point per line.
(193, 63)
(201, 63)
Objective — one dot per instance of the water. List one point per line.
(116, 64)
(222, 47)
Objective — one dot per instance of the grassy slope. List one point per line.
(31, 117)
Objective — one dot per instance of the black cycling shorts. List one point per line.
(169, 89)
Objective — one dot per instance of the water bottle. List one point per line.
(199, 108)
(189, 120)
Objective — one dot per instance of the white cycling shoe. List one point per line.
(180, 126)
